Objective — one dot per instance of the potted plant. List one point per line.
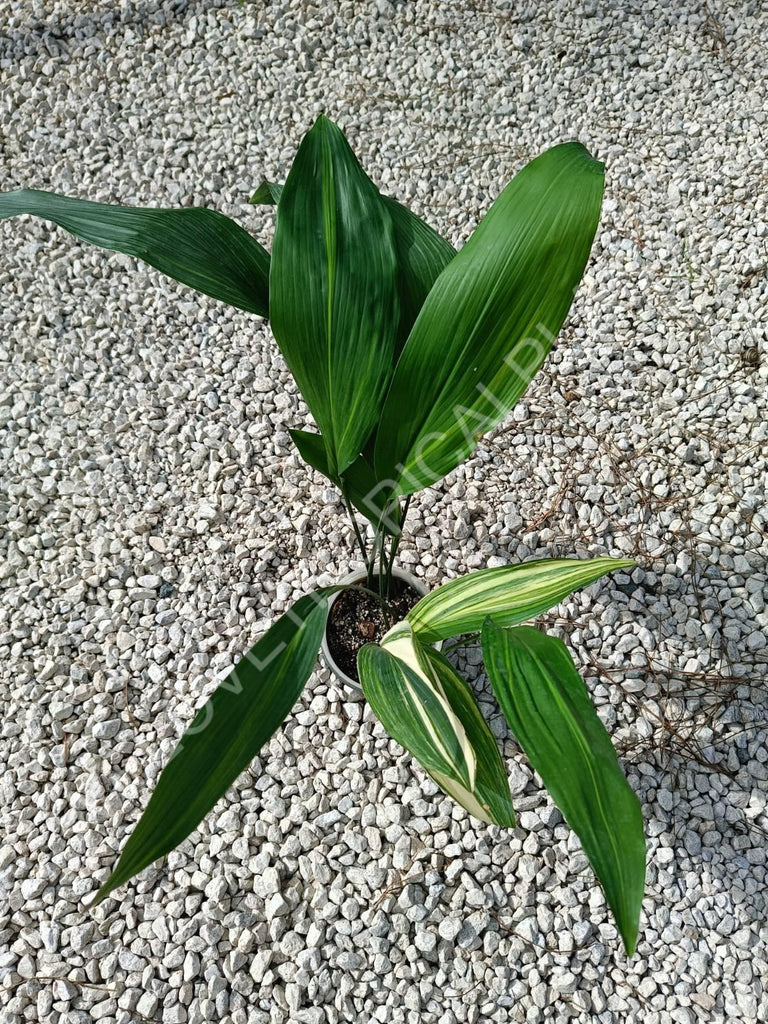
(406, 353)
(358, 614)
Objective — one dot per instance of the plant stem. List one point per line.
(386, 563)
(370, 562)
(406, 506)
(396, 542)
(383, 580)
(356, 528)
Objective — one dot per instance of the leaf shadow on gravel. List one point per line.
(686, 705)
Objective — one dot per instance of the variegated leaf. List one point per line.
(508, 595)
(440, 724)
(429, 709)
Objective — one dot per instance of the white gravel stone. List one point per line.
(107, 730)
(565, 983)
(50, 933)
(277, 906)
(31, 888)
(125, 640)
(147, 1004)
(259, 965)
(449, 928)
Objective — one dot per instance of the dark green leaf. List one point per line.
(490, 319)
(421, 255)
(226, 735)
(201, 248)
(333, 303)
(549, 710)
(358, 482)
(312, 450)
(267, 194)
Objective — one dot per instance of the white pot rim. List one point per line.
(353, 577)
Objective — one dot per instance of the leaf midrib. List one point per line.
(470, 338)
(329, 234)
(583, 748)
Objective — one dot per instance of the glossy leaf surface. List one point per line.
(422, 254)
(490, 319)
(333, 300)
(425, 705)
(200, 248)
(509, 594)
(549, 710)
(226, 735)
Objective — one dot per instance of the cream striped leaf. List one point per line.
(508, 595)
(491, 783)
(429, 709)
(444, 729)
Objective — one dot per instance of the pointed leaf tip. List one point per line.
(548, 708)
(490, 319)
(509, 594)
(323, 122)
(267, 194)
(225, 736)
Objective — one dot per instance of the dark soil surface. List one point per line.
(356, 620)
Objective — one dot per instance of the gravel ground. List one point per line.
(156, 517)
